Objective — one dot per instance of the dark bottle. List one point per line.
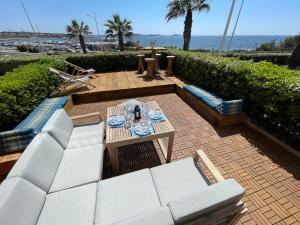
(137, 112)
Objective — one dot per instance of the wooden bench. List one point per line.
(207, 112)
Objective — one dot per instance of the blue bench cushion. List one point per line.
(18, 138)
(223, 107)
(40, 115)
(210, 99)
(15, 140)
(231, 107)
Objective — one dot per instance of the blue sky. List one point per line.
(263, 17)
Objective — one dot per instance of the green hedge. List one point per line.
(276, 58)
(271, 93)
(23, 89)
(8, 63)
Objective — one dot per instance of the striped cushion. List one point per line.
(231, 107)
(15, 140)
(40, 115)
(21, 135)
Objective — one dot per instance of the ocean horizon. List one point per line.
(209, 42)
(206, 42)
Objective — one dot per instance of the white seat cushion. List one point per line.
(158, 216)
(199, 204)
(60, 126)
(80, 166)
(75, 206)
(86, 135)
(125, 196)
(176, 179)
(20, 202)
(39, 162)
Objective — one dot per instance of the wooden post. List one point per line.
(170, 64)
(141, 68)
(157, 56)
(150, 66)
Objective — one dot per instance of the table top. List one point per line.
(122, 135)
(155, 48)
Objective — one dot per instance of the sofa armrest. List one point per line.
(86, 115)
(210, 166)
(204, 203)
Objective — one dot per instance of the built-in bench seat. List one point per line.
(212, 106)
(225, 108)
(52, 184)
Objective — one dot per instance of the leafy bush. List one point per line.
(288, 44)
(279, 58)
(8, 63)
(271, 93)
(23, 89)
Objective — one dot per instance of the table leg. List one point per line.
(114, 159)
(170, 147)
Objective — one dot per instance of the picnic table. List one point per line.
(154, 50)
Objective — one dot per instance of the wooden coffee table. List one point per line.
(117, 137)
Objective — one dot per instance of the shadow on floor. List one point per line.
(132, 158)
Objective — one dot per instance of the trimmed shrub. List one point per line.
(271, 93)
(23, 89)
(276, 58)
(8, 63)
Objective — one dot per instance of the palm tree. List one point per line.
(116, 27)
(185, 8)
(76, 30)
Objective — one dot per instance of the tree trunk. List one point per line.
(81, 40)
(121, 42)
(187, 29)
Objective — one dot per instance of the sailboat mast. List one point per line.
(226, 27)
(236, 23)
(28, 18)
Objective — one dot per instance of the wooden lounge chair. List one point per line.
(69, 79)
(79, 71)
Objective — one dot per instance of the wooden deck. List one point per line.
(270, 174)
(120, 81)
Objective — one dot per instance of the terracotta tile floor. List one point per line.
(269, 174)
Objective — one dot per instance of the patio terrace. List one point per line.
(270, 174)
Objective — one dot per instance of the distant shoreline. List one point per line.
(4, 35)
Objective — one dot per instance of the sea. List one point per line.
(249, 42)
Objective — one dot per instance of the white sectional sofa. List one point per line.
(57, 181)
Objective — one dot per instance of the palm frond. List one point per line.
(177, 8)
(200, 5)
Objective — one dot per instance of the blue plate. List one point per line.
(155, 115)
(116, 120)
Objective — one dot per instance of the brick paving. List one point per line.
(269, 174)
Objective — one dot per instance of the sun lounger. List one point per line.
(79, 71)
(69, 79)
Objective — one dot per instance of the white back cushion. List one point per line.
(39, 162)
(20, 202)
(60, 126)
